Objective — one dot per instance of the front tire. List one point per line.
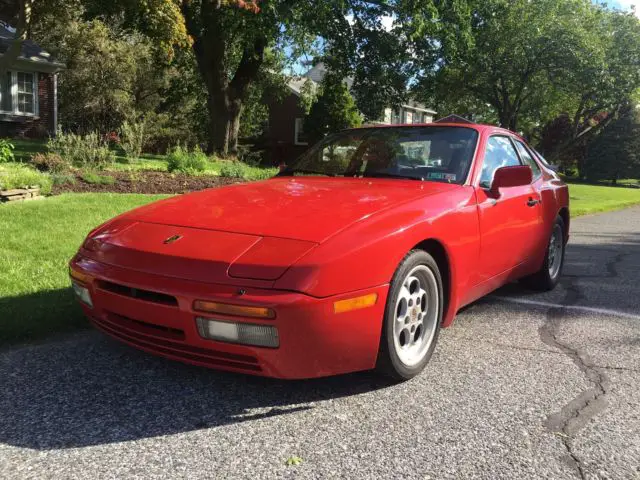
(413, 316)
(548, 276)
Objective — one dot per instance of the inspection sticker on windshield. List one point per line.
(449, 177)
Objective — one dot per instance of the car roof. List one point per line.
(479, 127)
(475, 126)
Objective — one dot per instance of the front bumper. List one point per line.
(314, 340)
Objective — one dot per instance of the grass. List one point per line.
(96, 179)
(586, 199)
(17, 175)
(35, 299)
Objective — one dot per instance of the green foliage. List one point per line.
(239, 170)
(184, 161)
(63, 179)
(14, 175)
(6, 151)
(49, 162)
(615, 153)
(89, 150)
(133, 137)
(96, 179)
(334, 110)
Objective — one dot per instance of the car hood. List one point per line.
(310, 209)
(252, 231)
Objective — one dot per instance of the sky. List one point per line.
(625, 5)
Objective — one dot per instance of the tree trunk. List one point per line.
(22, 33)
(226, 92)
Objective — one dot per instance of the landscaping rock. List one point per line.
(19, 194)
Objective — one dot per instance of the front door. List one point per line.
(510, 225)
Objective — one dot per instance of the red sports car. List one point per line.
(351, 258)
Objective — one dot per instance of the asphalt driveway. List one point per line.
(524, 385)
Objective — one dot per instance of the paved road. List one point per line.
(544, 389)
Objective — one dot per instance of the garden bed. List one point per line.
(138, 182)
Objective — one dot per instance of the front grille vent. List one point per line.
(145, 295)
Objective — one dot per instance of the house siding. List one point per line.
(281, 132)
(39, 126)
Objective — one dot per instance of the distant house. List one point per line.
(28, 91)
(286, 135)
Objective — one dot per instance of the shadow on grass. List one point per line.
(26, 148)
(39, 315)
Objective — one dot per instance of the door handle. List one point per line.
(532, 202)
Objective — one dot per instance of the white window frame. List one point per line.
(388, 116)
(408, 117)
(298, 128)
(14, 95)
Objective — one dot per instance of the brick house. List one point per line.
(28, 91)
(285, 134)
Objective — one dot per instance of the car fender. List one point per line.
(367, 254)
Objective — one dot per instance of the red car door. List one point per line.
(510, 225)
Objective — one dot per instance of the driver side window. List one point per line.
(500, 153)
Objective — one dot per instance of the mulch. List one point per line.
(146, 182)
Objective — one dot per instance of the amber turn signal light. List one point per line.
(355, 303)
(235, 310)
(79, 276)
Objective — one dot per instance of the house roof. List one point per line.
(317, 73)
(31, 52)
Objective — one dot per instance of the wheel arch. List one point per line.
(439, 253)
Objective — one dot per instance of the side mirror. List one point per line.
(505, 177)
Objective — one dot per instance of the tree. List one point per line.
(21, 14)
(615, 153)
(520, 51)
(334, 109)
(232, 38)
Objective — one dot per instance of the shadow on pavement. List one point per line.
(90, 390)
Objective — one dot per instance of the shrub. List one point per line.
(232, 170)
(133, 137)
(95, 179)
(49, 162)
(90, 150)
(22, 176)
(63, 179)
(6, 151)
(237, 169)
(184, 161)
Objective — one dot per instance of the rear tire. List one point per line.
(548, 276)
(413, 316)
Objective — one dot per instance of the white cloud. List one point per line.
(627, 4)
(386, 21)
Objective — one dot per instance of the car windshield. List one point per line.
(441, 154)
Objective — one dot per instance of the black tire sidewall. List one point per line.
(552, 282)
(390, 360)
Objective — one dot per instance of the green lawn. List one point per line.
(586, 199)
(38, 240)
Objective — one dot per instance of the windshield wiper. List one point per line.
(292, 172)
(390, 175)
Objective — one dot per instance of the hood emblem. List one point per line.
(172, 239)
